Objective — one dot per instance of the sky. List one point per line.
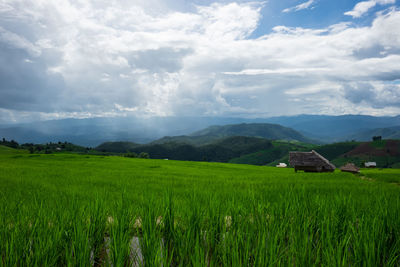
(83, 58)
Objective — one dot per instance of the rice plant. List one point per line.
(71, 210)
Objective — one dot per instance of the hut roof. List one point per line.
(312, 159)
(350, 167)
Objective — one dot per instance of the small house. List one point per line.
(350, 167)
(310, 162)
(281, 165)
(370, 164)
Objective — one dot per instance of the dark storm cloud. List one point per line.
(359, 93)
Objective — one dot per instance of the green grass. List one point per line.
(261, 157)
(396, 165)
(384, 175)
(67, 209)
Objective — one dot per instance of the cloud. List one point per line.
(86, 59)
(376, 95)
(362, 8)
(25, 83)
(305, 5)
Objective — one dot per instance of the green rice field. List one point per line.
(86, 210)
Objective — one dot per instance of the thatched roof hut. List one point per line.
(350, 167)
(310, 162)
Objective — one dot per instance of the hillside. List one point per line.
(335, 150)
(186, 139)
(386, 153)
(117, 147)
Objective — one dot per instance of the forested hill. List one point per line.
(218, 143)
(214, 133)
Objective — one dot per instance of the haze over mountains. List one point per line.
(260, 130)
(305, 128)
(386, 133)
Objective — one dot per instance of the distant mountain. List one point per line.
(386, 133)
(334, 128)
(94, 131)
(87, 132)
(263, 130)
(213, 133)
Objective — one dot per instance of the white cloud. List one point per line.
(362, 8)
(89, 59)
(305, 5)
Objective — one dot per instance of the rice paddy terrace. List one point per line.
(69, 209)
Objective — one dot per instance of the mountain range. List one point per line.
(247, 143)
(94, 131)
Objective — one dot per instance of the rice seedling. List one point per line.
(99, 211)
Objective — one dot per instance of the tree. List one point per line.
(130, 155)
(144, 155)
(13, 144)
(376, 138)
